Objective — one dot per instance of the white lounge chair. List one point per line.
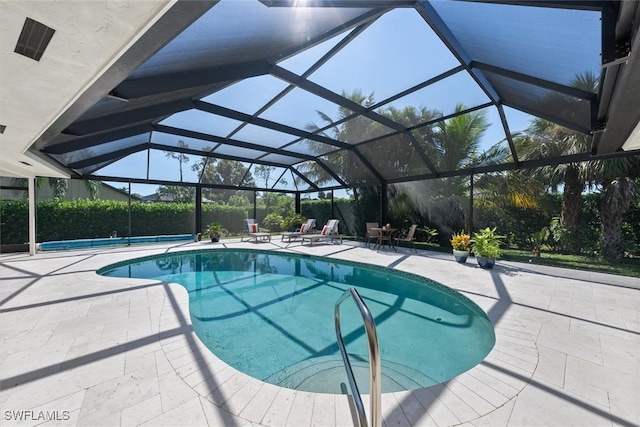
(254, 232)
(306, 228)
(329, 232)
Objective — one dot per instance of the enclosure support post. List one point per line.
(298, 207)
(470, 218)
(332, 213)
(383, 203)
(32, 216)
(129, 204)
(198, 210)
(255, 206)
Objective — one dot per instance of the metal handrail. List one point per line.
(374, 361)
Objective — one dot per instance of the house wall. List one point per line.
(77, 190)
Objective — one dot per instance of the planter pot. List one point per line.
(215, 238)
(460, 256)
(486, 263)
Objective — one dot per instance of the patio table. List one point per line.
(385, 236)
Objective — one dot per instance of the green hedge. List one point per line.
(83, 219)
(232, 218)
(343, 210)
(14, 222)
(86, 219)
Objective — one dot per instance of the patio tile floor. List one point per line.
(94, 351)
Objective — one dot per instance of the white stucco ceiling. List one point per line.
(89, 37)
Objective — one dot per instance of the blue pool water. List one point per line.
(270, 315)
(112, 241)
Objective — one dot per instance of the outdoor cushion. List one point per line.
(324, 230)
(253, 228)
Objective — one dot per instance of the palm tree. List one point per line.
(452, 145)
(545, 139)
(60, 187)
(343, 162)
(613, 176)
(457, 146)
(619, 191)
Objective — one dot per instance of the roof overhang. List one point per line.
(83, 61)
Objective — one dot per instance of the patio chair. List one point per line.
(409, 238)
(329, 232)
(254, 232)
(372, 234)
(306, 228)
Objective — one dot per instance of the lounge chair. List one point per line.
(254, 232)
(372, 234)
(329, 232)
(306, 228)
(409, 238)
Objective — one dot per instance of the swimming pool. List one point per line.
(270, 315)
(113, 241)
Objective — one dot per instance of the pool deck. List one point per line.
(97, 351)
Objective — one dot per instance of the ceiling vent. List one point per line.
(34, 39)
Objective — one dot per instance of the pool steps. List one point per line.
(326, 374)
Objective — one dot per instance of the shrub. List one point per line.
(293, 220)
(273, 222)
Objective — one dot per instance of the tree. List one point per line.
(343, 162)
(264, 172)
(181, 157)
(457, 146)
(93, 187)
(60, 186)
(619, 191)
(176, 193)
(240, 200)
(544, 139)
(614, 177)
(228, 173)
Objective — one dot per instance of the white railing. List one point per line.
(374, 361)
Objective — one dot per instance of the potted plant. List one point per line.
(461, 243)
(486, 246)
(214, 231)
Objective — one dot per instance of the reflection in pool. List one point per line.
(270, 315)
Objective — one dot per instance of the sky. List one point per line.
(395, 53)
